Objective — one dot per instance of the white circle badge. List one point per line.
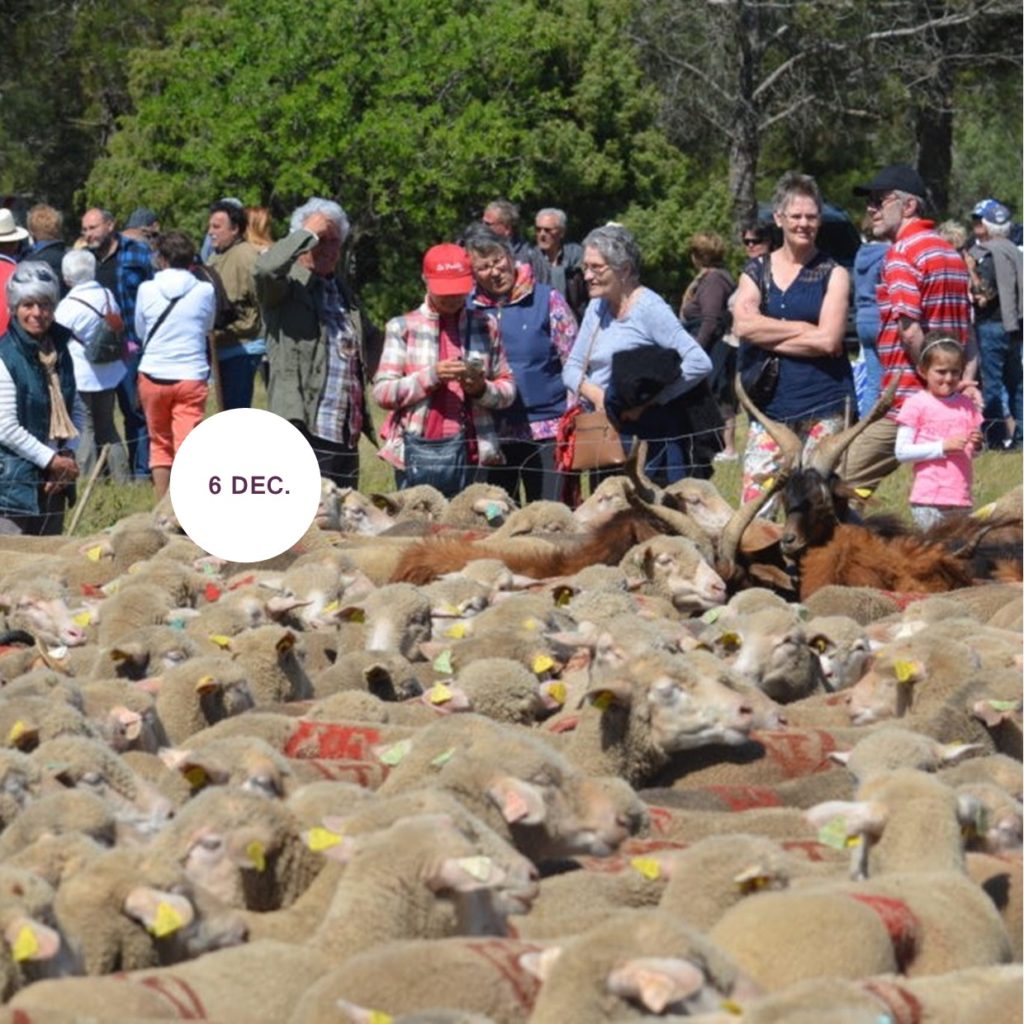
(245, 485)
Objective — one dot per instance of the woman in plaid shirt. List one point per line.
(443, 368)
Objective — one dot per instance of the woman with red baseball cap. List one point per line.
(442, 373)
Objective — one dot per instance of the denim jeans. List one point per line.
(1001, 371)
(237, 376)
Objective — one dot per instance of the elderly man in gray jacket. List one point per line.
(322, 351)
(997, 270)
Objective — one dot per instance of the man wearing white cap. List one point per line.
(11, 238)
(996, 277)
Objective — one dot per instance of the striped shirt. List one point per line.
(407, 378)
(339, 416)
(925, 280)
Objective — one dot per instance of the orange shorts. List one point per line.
(172, 410)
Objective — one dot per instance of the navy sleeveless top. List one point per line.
(810, 387)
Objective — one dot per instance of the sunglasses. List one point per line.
(753, 241)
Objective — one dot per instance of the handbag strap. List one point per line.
(88, 305)
(766, 281)
(160, 319)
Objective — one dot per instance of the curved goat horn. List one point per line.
(645, 487)
(791, 445)
(830, 450)
(729, 543)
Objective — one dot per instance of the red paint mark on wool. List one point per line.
(211, 592)
(363, 773)
(797, 753)
(903, 600)
(902, 1004)
(504, 956)
(332, 742)
(899, 921)
(661, 819)
(746, 798)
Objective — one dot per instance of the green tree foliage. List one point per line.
(64, 85)
(412, 113)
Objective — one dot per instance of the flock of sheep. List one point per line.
(311, 791)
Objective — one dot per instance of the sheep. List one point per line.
(130, 909)
(843, 649)
(27, 721)
(148, 651)
(271, 659)
(246, 762)
(38, 605)
(997, 826)
(398, 619)
(520, 786)
(504, 690)
(421, 504)
(200, 692)
(674, 568)
(862, 604)
(313, 593)
(653, 707)
(539, 519)
(891, 747)
(87, 764)
(478, 506)
(640, 957)
(241, 848)
(126, 715)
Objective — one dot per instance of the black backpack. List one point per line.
(226, 313)
(107, 342)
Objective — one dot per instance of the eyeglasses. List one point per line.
(545, 231)
(595, 269)
(877, 200)
(753, 241)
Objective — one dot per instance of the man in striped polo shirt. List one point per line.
(924, 287)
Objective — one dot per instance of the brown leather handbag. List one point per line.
(597, 444)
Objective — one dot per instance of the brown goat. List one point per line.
(828, 550)
(425, 562)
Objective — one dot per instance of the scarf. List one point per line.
(61, 427)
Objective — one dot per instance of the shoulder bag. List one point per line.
(107, 342)
(759, 367)
(587, 440)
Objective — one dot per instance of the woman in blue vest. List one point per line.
(538, 330)
(37, 392)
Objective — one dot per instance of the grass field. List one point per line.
(994, 475)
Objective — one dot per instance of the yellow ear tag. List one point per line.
(478, 867)
(166, 922)
(456, 631)
(439, 694)
(557, 692)
(604, 700)
(94, 554)
(195, 776)
(17, 731)
(542, 663)
(563, 597)
(443, 663)
(26, 945)
(223, 642)
(731, 640)
(357, 615)
(394, 754)
(331, 607)
(905, 671)
(380, 1017)
(853, 840)
(82, 619)
(647, 866)
(820, 645)
(320, 839)
(833, 833)
(863, 492)
(985, 511)
(731, 1006)
(531, 624)
(443, 758)
(206, 684)
(257, 855)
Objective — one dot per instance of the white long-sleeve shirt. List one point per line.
(15, 437)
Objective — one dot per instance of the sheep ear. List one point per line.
(992, 713)
(610, 691)
(129, 721)
(353, 1014)
(162, 913)
(463, 874)
(656, 981)
(840, 757)
(861, 816)
(520, 802)
(286, 643)
(951, 753)
(386, 502)
(969, 811)
(151, 685)
(29, 939)
(540, 964)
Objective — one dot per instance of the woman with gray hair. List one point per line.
(37, 394)
(627, 327)
(83, 312)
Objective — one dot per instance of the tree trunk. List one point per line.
(745, 149)
(934, 130)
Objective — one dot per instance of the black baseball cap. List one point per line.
(901, 177)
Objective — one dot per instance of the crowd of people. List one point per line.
(510, 340)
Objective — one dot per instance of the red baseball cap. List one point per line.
(447, 271)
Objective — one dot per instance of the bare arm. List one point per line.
(826, 337)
